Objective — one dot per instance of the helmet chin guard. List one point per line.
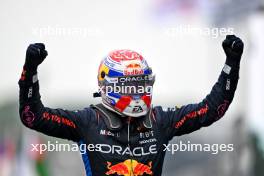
(126, 82)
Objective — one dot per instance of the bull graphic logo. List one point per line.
(133, 68)
(129, 168)
(133, 65)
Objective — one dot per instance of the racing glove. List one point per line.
(35, 55)
(233, 47)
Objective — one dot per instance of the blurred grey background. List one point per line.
(181, 40)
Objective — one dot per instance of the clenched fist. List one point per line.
(35, 55)
(233, 47)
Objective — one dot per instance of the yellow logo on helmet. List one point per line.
(102, 68)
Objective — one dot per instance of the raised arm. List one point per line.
(192, 117)
(54, 122)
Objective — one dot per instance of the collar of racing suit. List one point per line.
(113, 121)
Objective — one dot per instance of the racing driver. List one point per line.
(125, 134)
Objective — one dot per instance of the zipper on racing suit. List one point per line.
(128, 145)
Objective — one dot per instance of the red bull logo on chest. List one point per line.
(129, 168)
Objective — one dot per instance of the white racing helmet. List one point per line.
(125, 81)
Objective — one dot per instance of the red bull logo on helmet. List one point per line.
(129, 168)
(133, 68)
